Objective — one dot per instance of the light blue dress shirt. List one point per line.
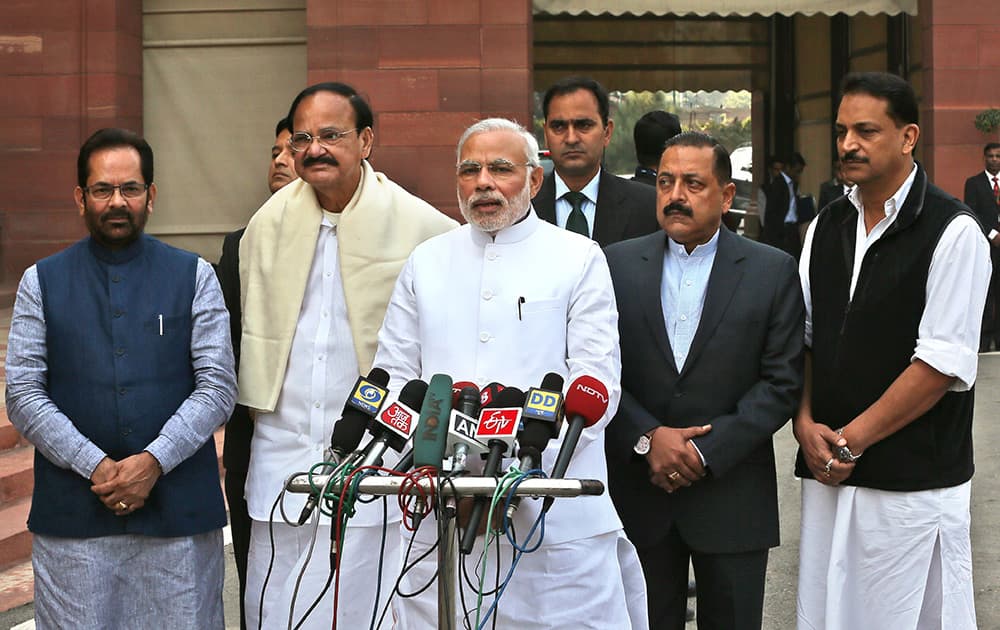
(682, 292)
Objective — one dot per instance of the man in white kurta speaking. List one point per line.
(317, 265)
(509, 298)
(894, 277)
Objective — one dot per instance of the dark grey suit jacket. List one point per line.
(625, 209)
(743, 375)
(828, 192)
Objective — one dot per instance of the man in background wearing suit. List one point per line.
(835, 188)
(982, 194)
(782, 215)
(239, 429)
(579, 195)
(711, 329)
(650, 133)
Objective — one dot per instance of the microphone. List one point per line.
(393, 427)
(542, 420)
(586, 402)
(462, 426)
(489, 393)
(363, 403)
(498, 425)
(432, 429)
(405, 462)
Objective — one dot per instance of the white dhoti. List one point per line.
(595, 583)
(876, 560)
(359, 570)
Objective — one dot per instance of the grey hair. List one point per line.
(502, 124)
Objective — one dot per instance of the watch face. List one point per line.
(642, 446)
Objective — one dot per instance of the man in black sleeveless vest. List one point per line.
(894, 277)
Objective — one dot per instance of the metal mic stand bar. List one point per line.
(457, 487)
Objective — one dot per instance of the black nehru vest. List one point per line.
(861, 345)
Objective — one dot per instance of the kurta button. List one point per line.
(119, 351)
(684, 318)
(678, 394)
(116, 278)
(491, 256)
(121, 392)
(118, 313)
(125, 432)
(487, 294)
(484, 337)
(316, 404)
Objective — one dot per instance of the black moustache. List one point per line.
(325, 159)
(114, 216)
(852, 156)
(679, 208)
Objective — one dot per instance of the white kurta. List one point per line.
(455, 311)
(876, 559)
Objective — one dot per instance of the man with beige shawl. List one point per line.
(317, 265)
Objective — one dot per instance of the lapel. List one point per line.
(986, 186)
(726, 275)
(612, 210)
(545, 201)
(649, 277)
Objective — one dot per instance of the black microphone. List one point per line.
(586, 402)
(541, 421)
(499, 421)
(462, 425)
(363, 404)
(393, 427)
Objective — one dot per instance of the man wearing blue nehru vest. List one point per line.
(119, 369)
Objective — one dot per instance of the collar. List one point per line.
(700, 251)
(589, 191)
(512, 234)
(788, 180)
(990, 176)
(118, 256)
(892, 204)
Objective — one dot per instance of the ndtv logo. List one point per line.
(590, 391)
(498, 422)
(397, 417)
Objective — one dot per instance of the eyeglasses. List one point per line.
(129, 190)
(301, 140)
(498, 169)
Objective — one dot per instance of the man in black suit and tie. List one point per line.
(711, 329)
(982, 194)
(579, 195)
(835, 188)
(239, 429)
(650, 133)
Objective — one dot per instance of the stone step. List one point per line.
(17, 585)
(15, 540)
(16, 474)
(9, 437)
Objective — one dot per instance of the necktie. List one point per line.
(576, 222)
(996, 191)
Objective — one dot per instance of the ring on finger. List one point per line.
(828, 467)
(674, 476)
(122, 506)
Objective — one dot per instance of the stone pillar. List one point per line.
(961, 77)
(67, 68)
(430, 68)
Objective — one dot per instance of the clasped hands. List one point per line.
(818, 442)
(124, 486)
(673, 460)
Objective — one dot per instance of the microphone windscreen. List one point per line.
(508, 397)
(489, 393)
(588, 398)
(412, 394)
(457, 387)
(361, 405)
(552, 382)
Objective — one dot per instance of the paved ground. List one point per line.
(779, 606)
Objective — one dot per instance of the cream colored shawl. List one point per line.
(376, 233)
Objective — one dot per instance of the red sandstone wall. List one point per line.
(430, 68)
(961, 43)
(67, 68)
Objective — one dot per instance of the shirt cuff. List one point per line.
(163, 450)
(704, 464)
(86, 461)
(993, 234)
(950, 359)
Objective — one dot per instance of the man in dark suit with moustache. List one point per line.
(982, 194)
(579, 194)
(711, 329)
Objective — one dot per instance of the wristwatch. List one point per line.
(844, 453)
(643, 443)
